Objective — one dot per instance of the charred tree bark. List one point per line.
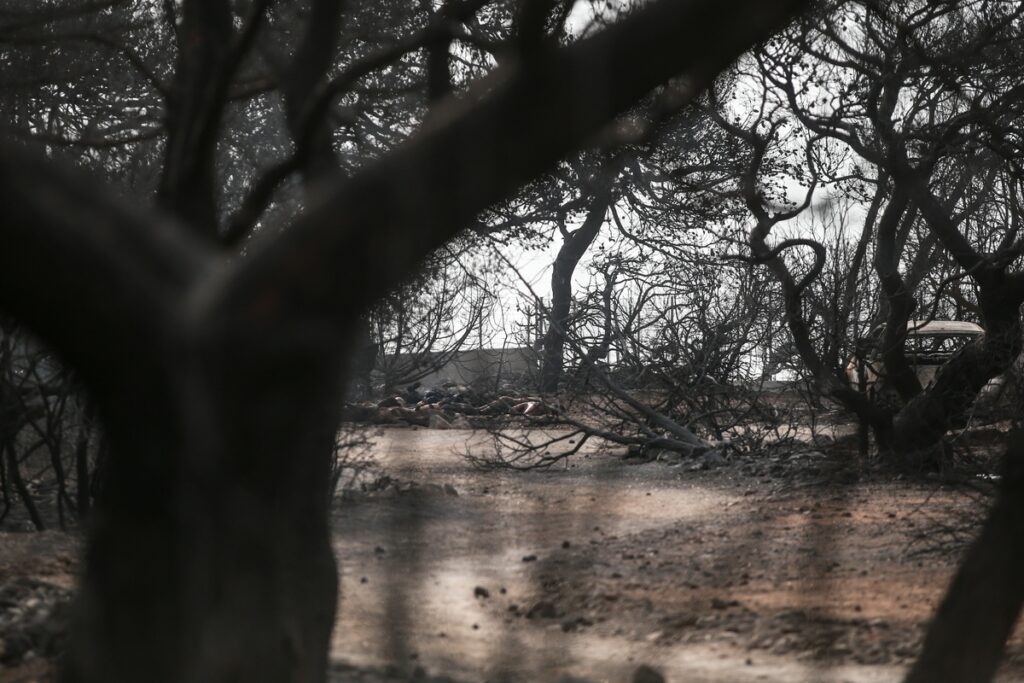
(83, 492)
(204, 533)
(12, 418)
(312, 135)
(14, 476)
(574, 246)
(966, 638)
(188, 186)
(900, 299)
(599, 351)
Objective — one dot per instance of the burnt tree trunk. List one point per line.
(83, 493)
(966, 638)
(574, 246)
(899, 299)
(212, 530)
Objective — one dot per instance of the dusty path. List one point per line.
(739, 574)
(706, 576)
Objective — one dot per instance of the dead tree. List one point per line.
(897, 107)
(574, 246)
(218, 378)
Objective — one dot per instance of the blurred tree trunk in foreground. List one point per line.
(218, 378)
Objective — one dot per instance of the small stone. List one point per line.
(719, 603)
(645, 674)
(481, 592)
(529, 558)
(713, 459)
(450, 490)
(543, 610)
(435, 421)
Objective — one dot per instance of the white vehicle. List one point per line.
(928, 346)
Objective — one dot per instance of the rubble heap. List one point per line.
(447, 407)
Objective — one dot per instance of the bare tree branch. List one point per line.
(488, 143)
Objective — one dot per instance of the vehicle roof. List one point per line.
(922, 327)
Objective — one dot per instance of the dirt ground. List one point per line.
(794, 569)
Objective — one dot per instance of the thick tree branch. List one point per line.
(307, 122)
(93, 279)
(483, 147)
(209, 55)
(309, 67)
(900, 297)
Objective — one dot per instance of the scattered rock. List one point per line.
(720, 603)
(575, 624)
(679, 621)
(481, 592)
(645, 674)
(669, 457)
(634, 451)
(435, 421)
(461, 422)
(713, 459)
(529, 558)
(542, 610)
(34, 618)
